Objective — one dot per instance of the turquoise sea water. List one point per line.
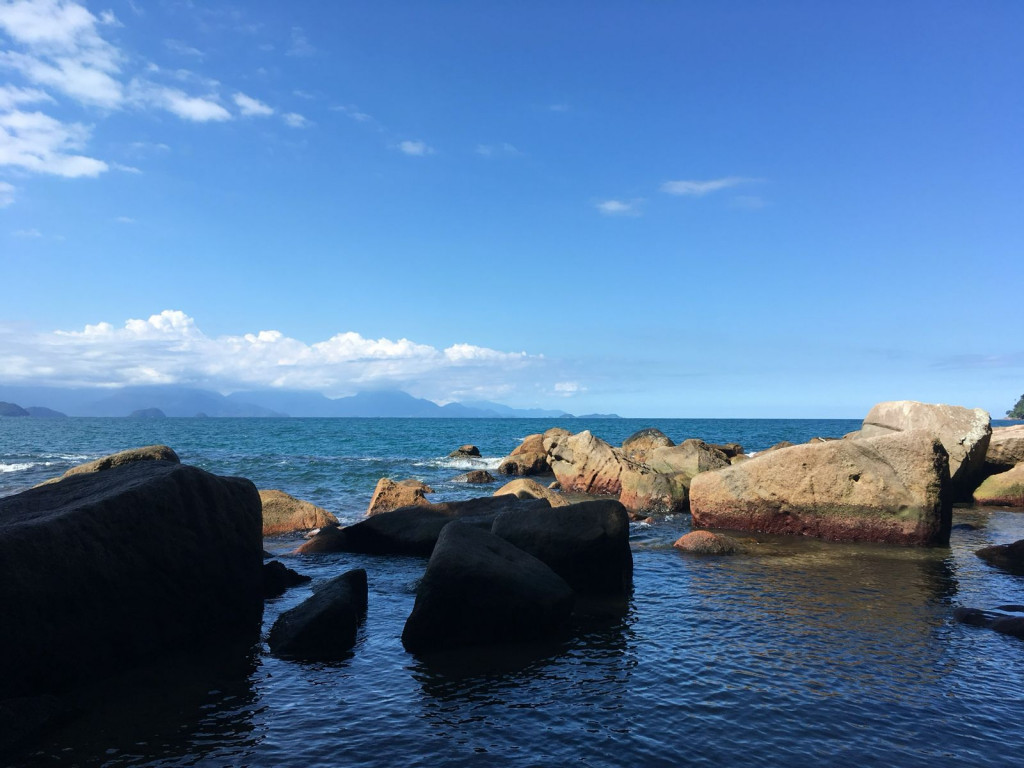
(805, 653)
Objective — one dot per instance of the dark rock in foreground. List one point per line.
(103, 571)
(1004, 623)
(587, 544)
(1009, 557)
(132, 455)
(479, 589)
(278, 579)
(323, 627)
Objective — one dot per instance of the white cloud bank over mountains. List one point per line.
(169, 348)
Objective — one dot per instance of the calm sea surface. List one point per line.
(803, 654)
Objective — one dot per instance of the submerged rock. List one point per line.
(708, 543)
(324, 626)
(892, 488)
(1009, 557)
(1005, 623)
(106, 570)
(283, 513)
(479, 589)
(278, 579)
(389, 495)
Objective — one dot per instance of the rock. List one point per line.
(587, 544)
(479, 589)
(1005, 489)
(963, 432)
(731, 450)
(646, 492)
(690, 457)
(389, 495)
(525, 488)
(586, 464)
(525, 464)
(146, 453)
(478, 476)
(1004, 623)
(777, 447)
(278, 579)
(1005, 448)
(1009, 557)
(739, 458)
(106, 570)
(637, 446)
(323, 628)
(286, 514)
(892, 488)
(465, 452)
(708, 543)
(410, 530)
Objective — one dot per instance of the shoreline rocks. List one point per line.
(390, 495)
(324, 626)
(283, 513)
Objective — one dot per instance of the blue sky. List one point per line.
(655, 208)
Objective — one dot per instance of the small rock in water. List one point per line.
(708, 543)
(277, 578)
(465, 452)
(475, 476)
(324, 626)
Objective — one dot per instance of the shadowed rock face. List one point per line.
(1009, 557)
(892, 488)
(479, 589)
(105, 570)
(324, 626)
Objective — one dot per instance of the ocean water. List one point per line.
(804, 653)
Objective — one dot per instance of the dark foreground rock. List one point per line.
(323, 627)
(587, 544)
(279, 578)
(1009, 557)
(479, 589)
(410, 530)
(132, 455)
(998, 620)
(103, 571)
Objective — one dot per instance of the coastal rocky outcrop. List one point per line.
(525, 488)
(475, 476)
(528, 458)
(1009, 557)
(389, 495)
(891, 488)
(479, 589)
(645, 492)
(106, 570)
(1005, 489)
(708, 543)
(587, 544)
(583, 463)
(691, 457)
(1005, 448)
(324, 626)
(637, 446)
(964, 433)
(283, 513)
(130, 456)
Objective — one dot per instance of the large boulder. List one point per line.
(528, 458)
(1005, 448)
(525, 488)
(479, 589)
(586, 464)
(1005, 489)
(410, 530)
(323, 627)
(106, 570)
(283, 513)
(963, 432)
(892, 488)
(692, 457)
(645, 492)
(587, 544)
(390, 494)
(1009, 557)
(639, 445)
(130, 456)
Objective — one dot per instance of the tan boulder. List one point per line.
(645, 492)
(528, 458)
(465, 452)
(146, 453)
(1005, 489)
(586, 464)
(708, 543)
(525, 488)
(691, 456)
(892, 488)
(963, 432)
(1006, 447)
(283, 513)
(389, 495)
(640, 444)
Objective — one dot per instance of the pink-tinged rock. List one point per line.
(893, 488)
(586, 464)
(708, 543)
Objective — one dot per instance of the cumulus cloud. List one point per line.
(251, 107)
(36, 142)
(619, 207)
(415, 148)
(701, 188)
(169, 347)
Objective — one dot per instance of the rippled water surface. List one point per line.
(803, 653)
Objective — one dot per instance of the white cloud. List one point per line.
(415, 148)
(701, 188)
(177, 102)
(12, 97)
(295, 120)
(6, 194)
(568, 388)
(182, 49)
(251, 107)
(619, 207)
(169, 347)
(39, 143)
(125, 168)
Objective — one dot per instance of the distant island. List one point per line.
(172, 401)
(1017, 412)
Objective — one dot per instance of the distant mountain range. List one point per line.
(183, 401)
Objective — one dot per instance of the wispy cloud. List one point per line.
(295, 120)
(299, 44)
(490, 150)
(415, 148)
(620, 207)
(28, 234)
(251, 107)
(169, 347)
(38, 143)
(198, 109)
(182, 48)
(12, 97)
(124, 220)
(6, 194)
(700, 188)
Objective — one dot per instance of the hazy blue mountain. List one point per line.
(11, 410)
(38, 412)
(516, 413)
